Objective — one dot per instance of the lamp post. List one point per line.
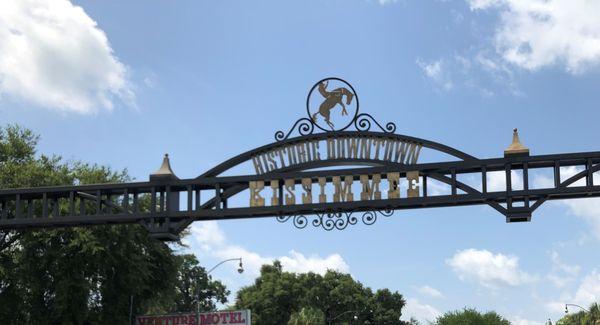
(240, 270)
(330, 320)
(567, 309)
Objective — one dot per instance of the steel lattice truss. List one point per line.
(166, 205)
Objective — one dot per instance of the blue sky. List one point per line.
(121, 83)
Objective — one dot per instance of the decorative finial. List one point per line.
(516, 148)
(164, 171)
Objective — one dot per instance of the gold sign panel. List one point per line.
(359, 147)
(370, 186)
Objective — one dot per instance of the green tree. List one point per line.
(471, 317)
(192, 281)
(384, 305)
(589, 317)
(307, 316)
(82, 275)
(344, 298)
(572, 319)
(277, 295)
(594, 314)
(273, 297)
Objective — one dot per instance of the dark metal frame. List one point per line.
(313, 89)
(174, 203)
(119, 203)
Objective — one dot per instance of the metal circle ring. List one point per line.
(324, 110)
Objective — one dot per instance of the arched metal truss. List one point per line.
(166, 205)
(247, 156)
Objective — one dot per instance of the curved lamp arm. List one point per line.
(567, 309)
(231, 259)
(240, 270)
(342, 314)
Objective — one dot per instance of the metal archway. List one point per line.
(382, 165)
(172, 204)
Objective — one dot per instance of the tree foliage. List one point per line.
(194, 283)
(277, 297)
(471, 317)
(85, 275)
(307, 316)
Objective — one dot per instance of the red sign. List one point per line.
(240, 317)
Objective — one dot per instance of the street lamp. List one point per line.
(240, 270)
(567, 309)
(355, 317)
(330, 320)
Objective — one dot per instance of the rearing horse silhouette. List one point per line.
(332, 98)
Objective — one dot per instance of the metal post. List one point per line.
(240, 270)
(131, 309)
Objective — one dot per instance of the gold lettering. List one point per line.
(315, 149)
(357, 147)
(301, 153)
(292, 158)
(400, 152)
(331, 148)
(322, 197)
(413, 180)
(307, 187)
(290, 187)
(377, 143)
(341, 148)
(352, 144)
(264, 161)
(342, 192)
(370, 190)
(280, 153)
(309, 153)
(258, 165)
(255, 199)
(275, 188)
(394, 185)
(272, 165)
(389, 145)
(413, 154)
(365, 148)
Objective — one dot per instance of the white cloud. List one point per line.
(297, 262)
(483, 4)
(545, 181)
(422, 312)
(488, 269)
(436, 71)
(208, 237)
(208, 234)
(429, 291)
(496, 181)
(474, 71)
(568, 269)
(589, 290)
(562, 273)
(54, 55)
(517, 320)
(587, 293)
(537, 33)
(587, 209)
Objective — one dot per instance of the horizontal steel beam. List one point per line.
(206, 198)
(267, 211)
